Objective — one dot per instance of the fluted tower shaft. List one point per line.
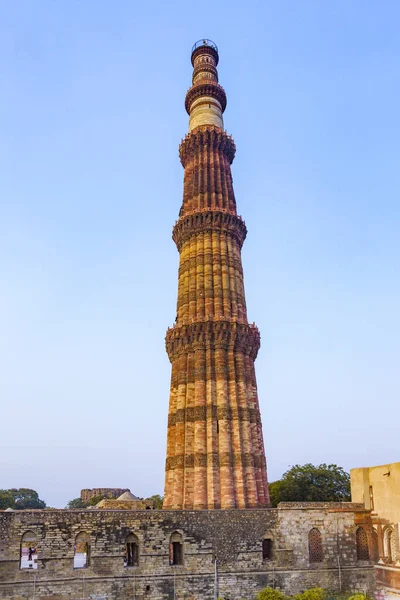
(215, 449)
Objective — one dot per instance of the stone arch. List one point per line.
(82, 550)
(362, 544)
(131, 554)
(28, 551)
(389, 544)
(176, 549)
(315, 550)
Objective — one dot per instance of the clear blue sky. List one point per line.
(91, 116)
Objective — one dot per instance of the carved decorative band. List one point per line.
(209, 258)
(209, 220)
(205, 68)
(205, 89)
(205, 50)
(223, 459)
(212, 334)
(199, 414)
(206, 135)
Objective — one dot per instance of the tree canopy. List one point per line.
(20, 498)
(158, 500)
(79, 503)
(311, 483)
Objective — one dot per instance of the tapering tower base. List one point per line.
(215, 450)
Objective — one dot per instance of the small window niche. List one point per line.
(362, 544)
(267, 549)
(29, 553)
(82, 551)
(131, 556)
(315, 550)
(176, 549)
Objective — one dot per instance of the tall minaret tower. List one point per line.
(215, 449)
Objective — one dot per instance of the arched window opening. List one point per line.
(176, 549)
(362, 544)
(389, 548)
(267, 549)
(131, 556)
(82, 551)
(29, 551)
(371, 497)
(315, 546)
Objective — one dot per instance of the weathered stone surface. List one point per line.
(89, 494)
(233, 537)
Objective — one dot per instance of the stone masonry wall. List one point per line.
(108, 504)
(233, 537)
(87, 494)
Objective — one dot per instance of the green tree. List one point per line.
(95, 500)
(21, 498)
(158, 500)
(310, 483)
(76, 503)
(79, 503)
(6, 499)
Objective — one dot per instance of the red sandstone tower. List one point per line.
(215, 449)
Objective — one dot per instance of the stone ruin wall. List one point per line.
(87, 495)
(234, 537)
(126, 505)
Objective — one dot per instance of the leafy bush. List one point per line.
(311, 594)
(346, 596)
(269, 593)
(316, 593)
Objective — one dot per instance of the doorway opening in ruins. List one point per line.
(176, 549)
(131, 557)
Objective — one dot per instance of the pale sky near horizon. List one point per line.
(91, 115)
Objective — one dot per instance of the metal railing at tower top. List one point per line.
(205, 43)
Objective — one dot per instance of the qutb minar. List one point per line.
(215, 452)
(215, 448)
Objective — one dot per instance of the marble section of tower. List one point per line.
(215, 449)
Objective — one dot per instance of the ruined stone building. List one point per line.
(378, 488)
(88, 495)
(216, 534)
(126, 501)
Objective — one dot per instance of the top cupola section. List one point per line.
(206, 99)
